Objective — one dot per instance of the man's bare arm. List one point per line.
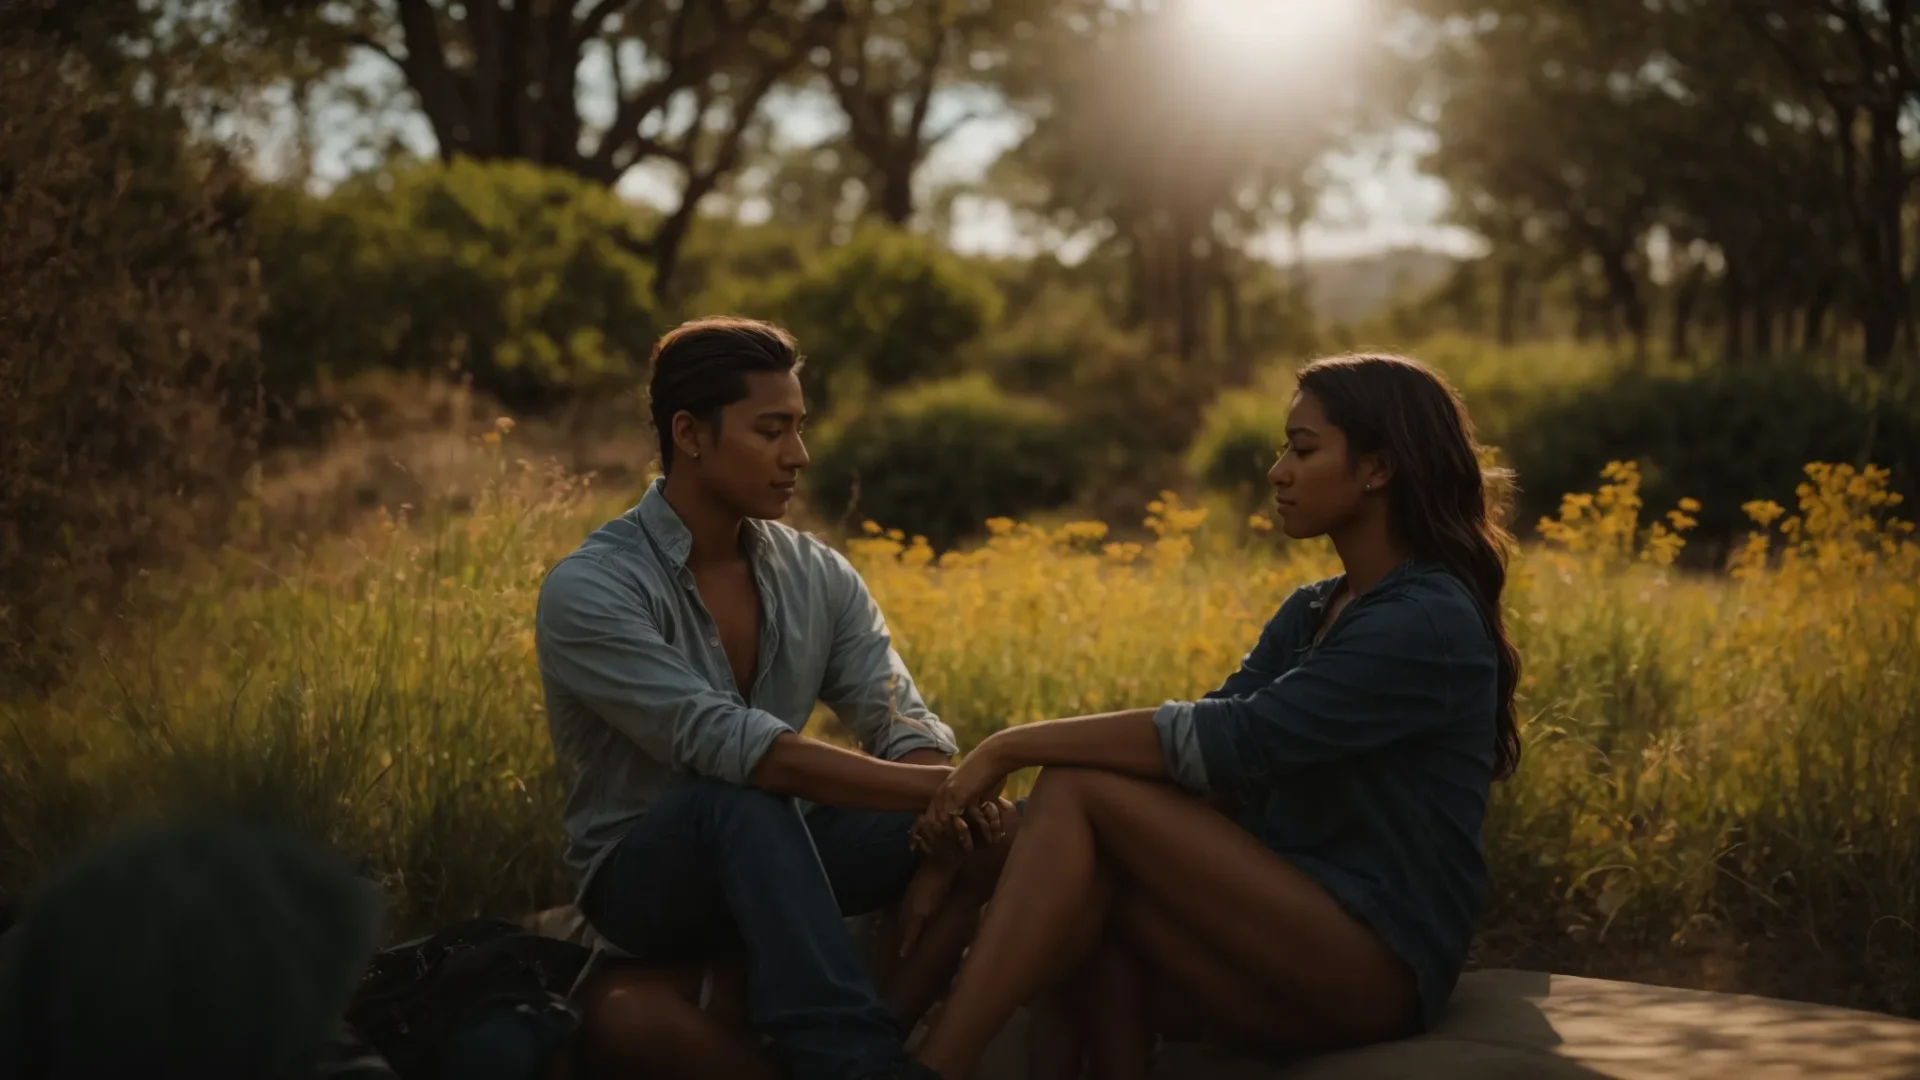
(826, 774)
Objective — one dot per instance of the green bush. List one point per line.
(1048, 347)
(885, 309)
(939, 459)
(523, 278)
(1135, 409)
(128, 360)
(1723, 436)
(1237, 441)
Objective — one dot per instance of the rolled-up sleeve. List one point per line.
(867, 684)
(1380, 679)
(1181, 746)
(598, 642)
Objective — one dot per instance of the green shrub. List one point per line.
(1048, 348)
(1723, 436)
(938, 460)
(882, 310)
(1238, 439)
(524, 278)
(1134, 409)
(128, 359)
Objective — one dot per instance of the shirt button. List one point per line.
(714, 641)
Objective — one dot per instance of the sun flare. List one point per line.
(1272, 29)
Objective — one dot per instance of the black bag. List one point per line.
(480, 1000)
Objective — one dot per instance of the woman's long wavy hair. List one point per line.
(1443, 503)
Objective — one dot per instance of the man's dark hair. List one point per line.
(702, 366)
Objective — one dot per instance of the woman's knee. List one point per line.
(1058, 784)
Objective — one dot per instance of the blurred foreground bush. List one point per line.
(525, 279)
(938, 460)
(127, 364)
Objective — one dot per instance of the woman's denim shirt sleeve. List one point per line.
(1260, 667)
(1380, 675)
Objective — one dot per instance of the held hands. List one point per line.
(967, 801)
(967, 805)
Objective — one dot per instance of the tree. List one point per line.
(1171, 159)
(887, 61)
(596, 88)
(1857, 59)
(128, 363)
(1601, 130)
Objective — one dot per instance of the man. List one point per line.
(682, 648)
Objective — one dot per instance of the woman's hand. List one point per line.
(939, 836)
(969, 793)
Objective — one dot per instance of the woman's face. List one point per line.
(1315, 488)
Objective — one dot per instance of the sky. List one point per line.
(1379, 200)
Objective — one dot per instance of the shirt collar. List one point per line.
(1323, 590)
(663, 524)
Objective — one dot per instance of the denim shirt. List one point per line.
(639, 690)
(1365, 760)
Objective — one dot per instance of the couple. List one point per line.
(1293, 861)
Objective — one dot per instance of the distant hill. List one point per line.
(1354, 289)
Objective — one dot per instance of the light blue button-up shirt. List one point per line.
(639, 690)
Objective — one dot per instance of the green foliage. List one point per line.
(127, 365)
(1502, 385)
(939, 459)
(523, 278)
(1133, 408)
(1723, 436)
(882, 310)
(1237, 441)
(1048, 347)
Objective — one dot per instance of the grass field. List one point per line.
(1719, 785)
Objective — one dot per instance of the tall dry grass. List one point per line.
(1716, 765)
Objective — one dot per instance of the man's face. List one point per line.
(753, 461)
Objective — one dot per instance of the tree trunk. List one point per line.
(1139, 278)
(1226, 283)
(1813, 324)
(1507, 309)
(1762, 315)
(1883, 240)
(1624, 291)
(1733, 317)
(895, 195)
(1189, 297)
(1686, 298)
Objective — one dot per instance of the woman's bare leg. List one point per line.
(912, 983)
(1279, 926)
(1115, 1021)
(1055, 1045)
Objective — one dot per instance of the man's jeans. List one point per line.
(714, 868)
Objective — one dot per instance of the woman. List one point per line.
(1296, 857)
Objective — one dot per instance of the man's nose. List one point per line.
(796, 456)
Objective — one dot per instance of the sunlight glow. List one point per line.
(1272, 30)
